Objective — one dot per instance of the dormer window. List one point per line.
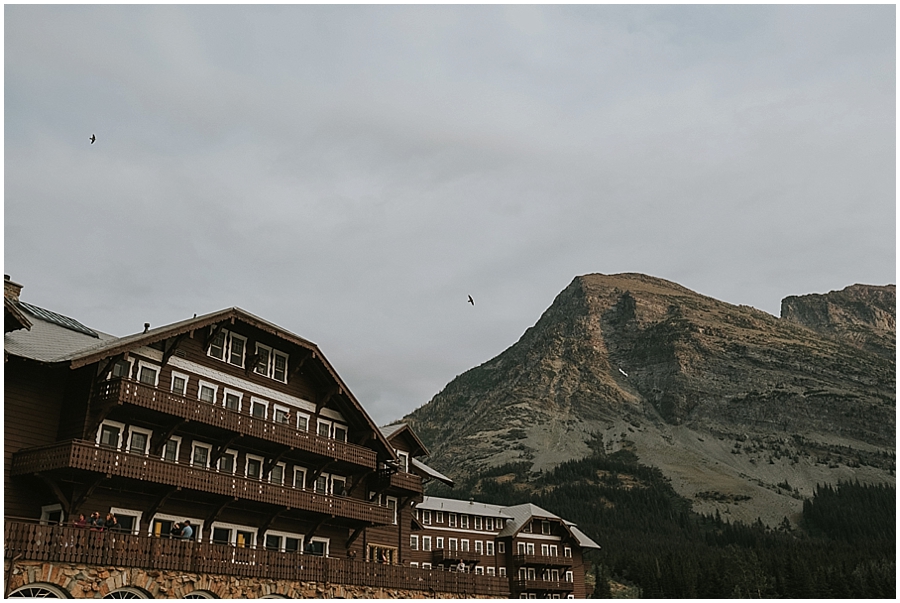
(229, 347)
(271, 363)
(545, 527)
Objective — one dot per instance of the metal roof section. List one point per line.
(389, 430)
(433, 473)
(468, 507)
(57, 319)
(583, 540)
(50, 342)
(522, 514)
(392, 431)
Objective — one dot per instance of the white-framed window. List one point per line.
(200, 454)
(391, 504)
(499, 522)
(179, 383)
(451, 520)
(489, 524)
(531, 574)
(477, 521)
(501, 548)
(321, 484)
(554, 550)
(438, 517)
(286, 542)
(233, 534)
(529, 548)
(206, 392)
(227, 463)
(479, 547)
(138, 440)
(109, 434)
(253, 466)
(413, 564)
(491, 571)
(479, 570)
(161, 525)
(452, 544)
(259, 408)
(567, 551)
(271, 363)
(328, 483)
(171, 449)
(464, 521)
(129, 520)
(404, 461)
(464, 545)
(52, 515)
(426, 517)
(231, 399)
(545, 528)
(545, 550)
(317, 546)
(439, 542)
(501, 571)
(554, 575)
(148, 373)
(281, 414)
(489, 547)
(570, 577)
(122, 368)
(276, 475)
(426, 565)
(228, 347)
(302, 422)
(520, 548)
(338, 485)
(300, 478)
(414, 542)
(426, 543)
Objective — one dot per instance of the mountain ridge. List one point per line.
(728, 401)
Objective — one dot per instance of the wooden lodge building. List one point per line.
(246, 431)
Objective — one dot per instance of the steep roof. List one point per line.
(398, 430)
(429, 472)
(451, 505)
(52, 337)
(522, 514)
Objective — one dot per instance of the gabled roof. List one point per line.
(403, 430)
(468, 507)
(522, 514)
(50, 338)
(429, 472)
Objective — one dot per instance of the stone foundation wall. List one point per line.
(89, 581)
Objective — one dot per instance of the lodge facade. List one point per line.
(238, 426)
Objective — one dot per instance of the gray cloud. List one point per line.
(353, 172)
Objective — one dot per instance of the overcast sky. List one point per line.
(354, 173)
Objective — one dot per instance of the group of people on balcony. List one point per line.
(97, 523)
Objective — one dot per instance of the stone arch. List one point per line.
(40, 590)
(128, 592)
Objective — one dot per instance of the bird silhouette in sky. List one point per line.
(471, 301)
(93, 138)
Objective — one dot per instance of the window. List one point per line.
(426, 543)
(464, 521)
(207, 392)
(545, 527)
(170, 450)
(148, 374)
(138, 440)
(477, 521)
(501, 571)
(52, 515)
(302, 422)
(128, 519)
(479, 570)
(426, 565)
(228, 462)
(464, 545)
(317, 546)
(121, 369)
(235, 535)
(200, 454)
(340, 432)
(439, 542)
(229, 347)
(283, 541)
(489, 523)
(232, 400)
(414, 542)
(324, 428)
(109, 435)
(554, 575)
(299, 478)
(501, 548)
(451, 520)
(281, 414)
(452, 544)
(404, 462)
(179, 383)
(520, 548)
(489, 547)
(413, 564)
(499, 523)
(254, 467)
(276, 476)
(529, 548)
(259, 408)
(531, 574)
(545, 550)
(569, 576)
(567, 551)
(438, 517)
(161, 525)
(271, 363)
(426, 517)
(491, 571)
(321, 485)
(338, 485)
(554, 550)
(479, 547)
(392, 505)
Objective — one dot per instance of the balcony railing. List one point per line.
(455, 556)
(56, 544)
(554, 585)
(126, 391)
(77, 454)
(545, 560)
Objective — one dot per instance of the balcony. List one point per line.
(542, 560)
(544, 585)
(399, 480)
(454, 556)
(74, 545)
(77, 454)
(126, 391)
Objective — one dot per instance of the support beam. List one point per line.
(207, 523)
(358, 480)
(219, 450)
(265, 526)
(312, 531)
(155, 506)
(296, 369)
(318, 472)
(267, 467)
(355, 535)
(78, 501)
(337, 391)
(252, 359)
(170, 348)
(159, 438)
(212, 335)
(64, 500)
(110, 362)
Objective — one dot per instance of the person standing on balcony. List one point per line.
(97, 523)
(81, 522)
(187, 532)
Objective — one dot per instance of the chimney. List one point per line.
(11, 290)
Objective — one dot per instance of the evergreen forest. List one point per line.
(655, 546)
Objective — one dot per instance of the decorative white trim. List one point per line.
(154, 367)
(121, 427)
(131, 513)
(265, 403)
(234, 530)
(283, 474)
(234, 468)
(296, 471)
(187, 379)
(214, 387)
(232, 392)
(177, 440)
(208, 447)
(46, 510)
(283, 535)
(253, 457)
(197, 524)
(145, 432)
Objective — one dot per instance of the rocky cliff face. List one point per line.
(745, 412)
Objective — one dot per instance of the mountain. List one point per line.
(742, 411)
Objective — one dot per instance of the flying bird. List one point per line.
(623, 372)
(93, 138)
(471, 301)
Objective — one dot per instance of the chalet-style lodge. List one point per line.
(246, 431)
